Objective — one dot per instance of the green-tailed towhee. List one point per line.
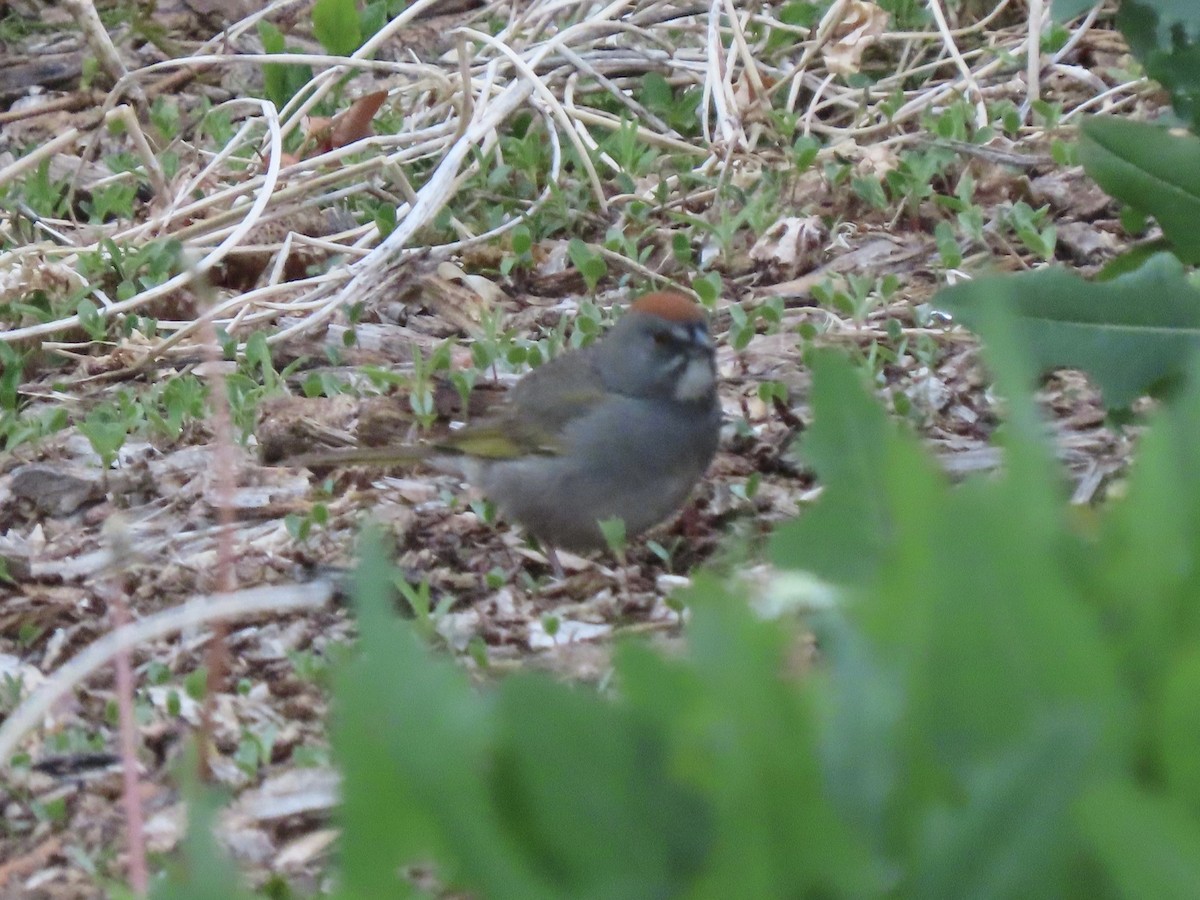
(620, 429)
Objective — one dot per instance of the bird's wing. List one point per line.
(370, 456)
(537, 411)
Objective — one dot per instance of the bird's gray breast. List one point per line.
(631, 458)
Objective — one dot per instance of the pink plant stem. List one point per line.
(130, 789)
(224, 476)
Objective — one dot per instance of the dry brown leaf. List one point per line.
(752, 105)
(36, 273)
(354, 124)
(871, 161)
(859, 28)
(793, 243)
(1086, 243)
(303, 850)
(318, 136)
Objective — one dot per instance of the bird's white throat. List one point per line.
(696, 380)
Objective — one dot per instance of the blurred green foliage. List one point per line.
(1133, 334)
(1004, 703)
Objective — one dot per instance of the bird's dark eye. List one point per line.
(662, 339)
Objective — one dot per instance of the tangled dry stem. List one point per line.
(456, 105)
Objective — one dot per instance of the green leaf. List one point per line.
(89, 319)
(1150, 169)
(615, 535)
(855, 450)
(412, 738)
(747, 739)
(281, 81)
(1133, 335)
(258, 353)
(861, 705)
(1011, 834)
(12, 373)
(1179, 728)
(586, 791)
(105, 433)
(374, 17)
(973, 574)
(1132, 259)
(943, 629)
(656, 94)
(274, 74)
(1165, 36)
(1069, 9)
(1028, 459)
(1148, 845)
(1148, 546)
(708, 288)
(522, 240)
(337, 26)
(590, 264)
(795, 12)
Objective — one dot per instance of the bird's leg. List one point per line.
(555, 565)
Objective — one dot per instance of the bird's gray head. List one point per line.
(661, 348)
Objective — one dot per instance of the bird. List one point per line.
(622, 428)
